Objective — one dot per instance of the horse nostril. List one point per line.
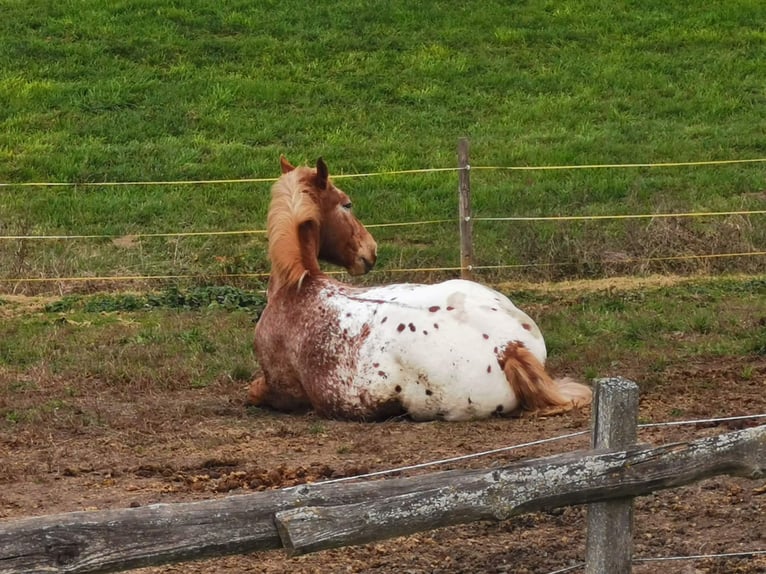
(367, 264)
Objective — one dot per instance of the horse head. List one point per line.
(306, 198)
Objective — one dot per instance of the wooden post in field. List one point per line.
(609, 545)
(466, 225)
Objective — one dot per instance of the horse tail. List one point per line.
(536, 390)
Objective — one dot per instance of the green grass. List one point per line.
(659, 326)
(162, 350)
(172, 297)
(142, 91)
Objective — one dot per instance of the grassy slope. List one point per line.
(165, 91)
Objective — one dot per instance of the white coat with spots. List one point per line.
(435, 348)
(445, 351)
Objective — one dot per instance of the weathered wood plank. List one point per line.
(115, 540)
(609, 543)
(453, 498)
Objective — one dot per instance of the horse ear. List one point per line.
(322, 173)
(285, 165)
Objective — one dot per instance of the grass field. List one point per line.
(160, 91)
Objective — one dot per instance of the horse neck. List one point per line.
(294, 256)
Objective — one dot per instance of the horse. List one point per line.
(451, 351)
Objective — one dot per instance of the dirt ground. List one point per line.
(203, 443)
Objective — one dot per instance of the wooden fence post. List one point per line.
(466, 224)
(609, 544)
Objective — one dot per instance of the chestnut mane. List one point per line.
(293, 208)
(310, 219)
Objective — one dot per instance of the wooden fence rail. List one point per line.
(309, 517)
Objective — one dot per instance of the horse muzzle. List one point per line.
(365, 258)
(362, 265)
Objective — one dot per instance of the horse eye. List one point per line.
(348, 205)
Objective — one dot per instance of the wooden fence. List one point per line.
(314, 517)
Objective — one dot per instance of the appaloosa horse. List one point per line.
(455, 351)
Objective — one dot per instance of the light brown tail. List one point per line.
(537, 392)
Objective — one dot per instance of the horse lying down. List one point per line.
(454, 351)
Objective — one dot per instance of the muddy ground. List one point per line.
(204, 443)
